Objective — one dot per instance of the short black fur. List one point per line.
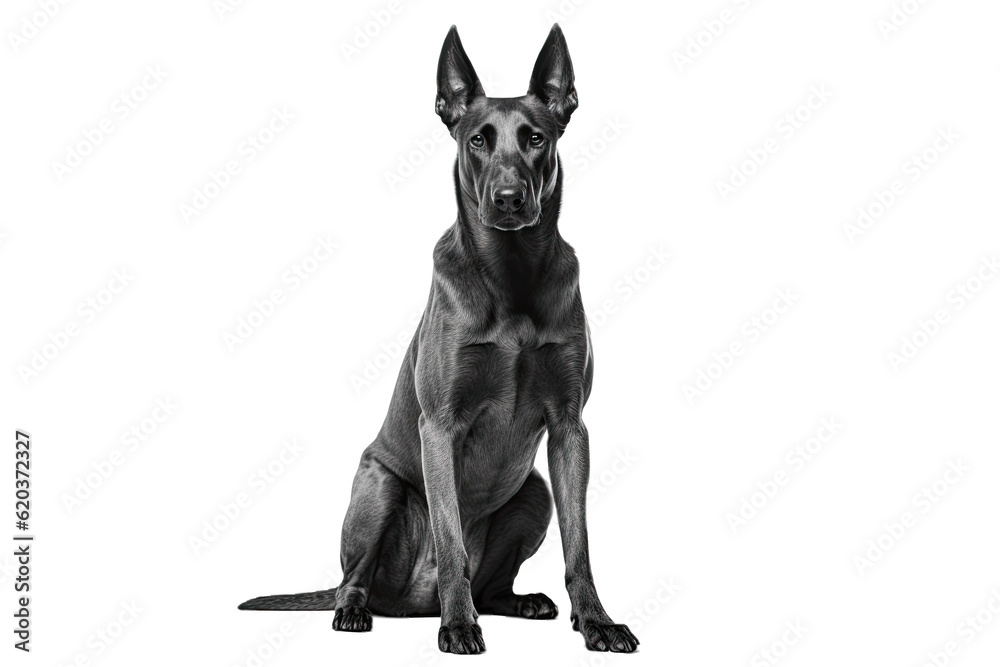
(446, 503)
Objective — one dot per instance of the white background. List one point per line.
(646, 151)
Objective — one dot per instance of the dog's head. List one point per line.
(507, 163)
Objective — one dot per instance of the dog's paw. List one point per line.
(535, 605)
(352, 619)
(606, 636)
(463, 638)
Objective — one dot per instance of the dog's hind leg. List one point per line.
(377, 497)
(516, 532)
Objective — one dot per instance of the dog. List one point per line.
(446, 504)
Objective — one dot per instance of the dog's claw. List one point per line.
(352, 619)
(607, 637)
(463, 638)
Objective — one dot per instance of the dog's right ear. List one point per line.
(457, 83)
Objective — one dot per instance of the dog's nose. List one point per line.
(508, 198)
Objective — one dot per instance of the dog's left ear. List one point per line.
(457, 82)
(552, 79)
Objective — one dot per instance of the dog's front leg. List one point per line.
(439, 446)
(569, 467)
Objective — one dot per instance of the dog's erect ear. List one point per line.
(457, 83)
(552, 78)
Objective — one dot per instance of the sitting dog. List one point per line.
(446, 503)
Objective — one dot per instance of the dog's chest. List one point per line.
(509, 375)
(500, 445)
(516, 359)
(517, 333)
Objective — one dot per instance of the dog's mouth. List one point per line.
(511, 223)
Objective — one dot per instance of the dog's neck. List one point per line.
(513, 263)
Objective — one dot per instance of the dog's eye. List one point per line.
(537, 140)
(477, 141)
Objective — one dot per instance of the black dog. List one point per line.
(446, 503)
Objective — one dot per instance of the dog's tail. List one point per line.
(315, 601)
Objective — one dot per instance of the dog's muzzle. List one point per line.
(509, 208)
